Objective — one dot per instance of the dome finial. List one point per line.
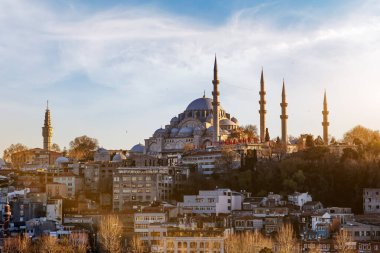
(204, 93)
(47, 104)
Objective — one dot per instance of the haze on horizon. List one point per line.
(119, 70)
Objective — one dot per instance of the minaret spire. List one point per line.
(215, 104)
(262, 110)
(47, 129)
(284, 118)
(325, 122)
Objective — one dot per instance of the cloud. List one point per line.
(136, 67)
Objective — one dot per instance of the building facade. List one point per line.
(213, 202)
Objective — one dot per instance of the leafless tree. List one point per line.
(344, 242)
(137, 245)
(286, 239)
(48, 244)
(110, 233)
(249, 242)
(19, 244)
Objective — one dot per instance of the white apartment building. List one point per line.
(54, 210)
(299, 198)
(371, 200)
(322, 218)
(213, 202)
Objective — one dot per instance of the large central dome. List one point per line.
(200, 104)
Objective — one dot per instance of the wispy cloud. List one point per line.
(134, 68)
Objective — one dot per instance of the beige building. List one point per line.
(145, 184)
(73, 183)
(54, 190)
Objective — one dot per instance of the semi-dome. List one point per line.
(235, 120)
(138, 148)
(118, 157)
(174, 132)
(227, 122)
(102, 151)
(61, 160)
(200, 104)
(198, 130)
(174, 121)
(159, 132)
(185, 132)
(209, 118)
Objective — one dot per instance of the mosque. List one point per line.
(204, 123)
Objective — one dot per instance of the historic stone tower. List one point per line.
(215, 105)
(325, 122)
(47, 130)
(284, 118)
(262, 110)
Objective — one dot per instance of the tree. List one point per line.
(267, 136)
(286, 239)
(253, 242)
(20, 244)
(49, 244)
(137, 245)
(227, 159)
(250, 131)
(55, 147)
(361, 135)
(83, 147)
(343, 242)
(79, 241)
(14, 148)
(309, 141)
(110, 233)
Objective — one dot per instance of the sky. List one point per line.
(118, 70)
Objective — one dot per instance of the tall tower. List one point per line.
(262, 110)
(325, 122)
(47, 130)
(284, 118)
(215, 104)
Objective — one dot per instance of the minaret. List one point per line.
(262, 110)
(284, 118)
(325, 122)
(47, 130)
(215, 105)
(6, 219)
